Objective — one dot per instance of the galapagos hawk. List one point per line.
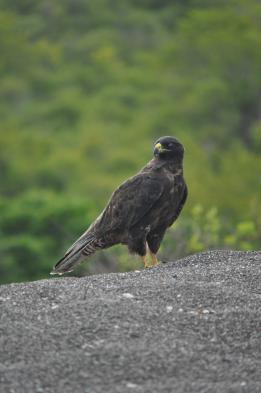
(139, 211)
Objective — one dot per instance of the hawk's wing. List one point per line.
(131, 202)
(128, 204)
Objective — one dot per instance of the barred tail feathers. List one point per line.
(86, 245)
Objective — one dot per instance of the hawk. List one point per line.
(139, 211)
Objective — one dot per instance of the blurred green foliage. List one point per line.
(87, 86)
(206, 229)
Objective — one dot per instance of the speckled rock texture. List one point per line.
(193, 325)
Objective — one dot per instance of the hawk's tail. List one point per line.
(86, 245)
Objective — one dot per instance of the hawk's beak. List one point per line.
(157, 149)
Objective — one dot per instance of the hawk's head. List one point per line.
(168, 148)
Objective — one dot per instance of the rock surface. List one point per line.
(187, 326)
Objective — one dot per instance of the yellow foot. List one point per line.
(154, 259)
(146, 263)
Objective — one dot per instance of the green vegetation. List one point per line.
(87, 86)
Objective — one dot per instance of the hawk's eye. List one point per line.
(170, 144)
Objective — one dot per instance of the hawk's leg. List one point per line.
(145, 261)
(137, 245)
(154, 240)
(154, 258)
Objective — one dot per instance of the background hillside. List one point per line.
(87, 86)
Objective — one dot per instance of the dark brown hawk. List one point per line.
(139, 211)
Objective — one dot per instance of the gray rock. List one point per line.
(187, 326)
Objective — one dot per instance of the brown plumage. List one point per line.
(139, 211)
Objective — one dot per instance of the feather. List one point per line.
(86, 245)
